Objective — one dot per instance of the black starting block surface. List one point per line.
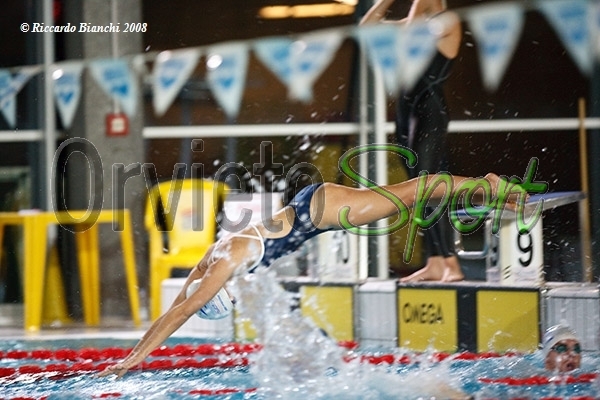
(550, 202)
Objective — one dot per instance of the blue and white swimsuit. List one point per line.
(302, 230)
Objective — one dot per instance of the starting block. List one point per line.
(512, 258)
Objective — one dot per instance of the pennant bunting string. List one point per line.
(399, 52)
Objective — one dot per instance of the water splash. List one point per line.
(300, 361)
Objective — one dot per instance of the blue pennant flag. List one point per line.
(275, 54)
(226, 75)
(67, 90)
(309, 57)
(10, 86)
(570, 20)
(418, 46)
(171, 71)
(381, 43)
(594, 23)
(497, 29)
(117, 81)
(7, 98)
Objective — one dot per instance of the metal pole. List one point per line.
(363, 135)
(584, 205)
(49, 115)
(382, 257)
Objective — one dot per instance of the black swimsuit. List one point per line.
(422, 124)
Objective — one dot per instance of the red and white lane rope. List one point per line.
(70, 362)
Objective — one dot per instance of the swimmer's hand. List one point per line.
(118, 369)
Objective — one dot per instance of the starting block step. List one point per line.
(511, 257)
(469, 316)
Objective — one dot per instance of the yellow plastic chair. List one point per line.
(35, 225)
(179, 236)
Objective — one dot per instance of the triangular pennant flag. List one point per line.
(497, 29)
(11, 86)
(67, 90)
(117, 81)
(171, 71)
(309, 57)
(570, 20)
(418, 45)
(7, 98)
(275, 54)
(381, 43)
(226, 75)
(594, 24)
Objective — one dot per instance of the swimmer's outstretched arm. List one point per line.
(218, 271)
(160, 330)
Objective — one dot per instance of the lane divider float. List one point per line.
(72, 362)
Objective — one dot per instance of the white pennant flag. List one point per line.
(497, 29)
(117, 81)
(418, 46)
(381, 43)
(171, 71)
(570, 20)
(275, 54)
(226, 75)
(10, 86)
(67, 90)
(308, 59)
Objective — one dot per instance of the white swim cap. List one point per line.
(218, 307)
(555, 334)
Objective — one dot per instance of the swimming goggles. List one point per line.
(563, 348)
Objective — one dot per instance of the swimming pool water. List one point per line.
(420, 377)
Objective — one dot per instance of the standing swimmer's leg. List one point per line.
(429, 142)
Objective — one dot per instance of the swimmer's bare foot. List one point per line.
(432, 271)
(438, 268)
(452, 271)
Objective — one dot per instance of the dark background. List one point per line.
(541, 82)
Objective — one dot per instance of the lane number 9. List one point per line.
(525, 243)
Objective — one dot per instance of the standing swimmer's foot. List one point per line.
(452, 272)
(432, 271)
(438, 268)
